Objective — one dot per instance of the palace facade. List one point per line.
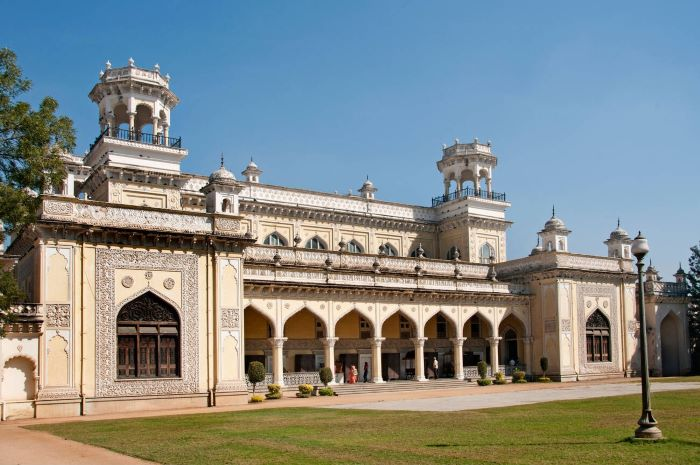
(151, 288)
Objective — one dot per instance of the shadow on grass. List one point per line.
(627, 440)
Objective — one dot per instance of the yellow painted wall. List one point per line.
(348, 327)
(391, 329)
(57, 369)
(57, 289)
(255, 325)
(301, 326)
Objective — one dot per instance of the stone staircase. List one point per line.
(394, 386)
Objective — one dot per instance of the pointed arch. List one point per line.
(443, 327)
(407, 325)
(598, 337)
(485, 327)
(148, 338)
(316, 243)
(256, 324)
(354, 247)
(486, 252)
(305, 324)
(275, 238)
(354, 325)
(388, 249)
(19, 378)
(670, 333)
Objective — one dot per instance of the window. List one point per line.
(148, 342)
(354, 247)
(453, 253)
(485, 253)
(475, 325)
(315, 243)
(226, 206)
(388, 249)
(561, 246)
(404, 328)
(441, 327)
(598, 338)
(549, 246)
(275, 239)
(365, 329)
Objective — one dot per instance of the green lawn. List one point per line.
(569, 432)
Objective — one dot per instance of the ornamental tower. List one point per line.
(472, 163)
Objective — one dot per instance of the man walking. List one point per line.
(435, 367)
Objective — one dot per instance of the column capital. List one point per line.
(329, 341)
(495, 340)
(419, 341)
(528, 340)
(377, 341)
(458, 341)
(277, 341)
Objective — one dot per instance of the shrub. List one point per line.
(325, 391)
(256, 398)
(483, 382)
(544, 364)
(482, 369)
(500, 378)
(256, 373)
(305, 390)
(274, 391)
(326, 375)
(519, 376)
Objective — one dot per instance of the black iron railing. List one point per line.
(468, 192)
(137, 136)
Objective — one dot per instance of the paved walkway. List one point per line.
(19, 446)
(492, 400)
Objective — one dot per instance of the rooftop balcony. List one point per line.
(140, 137)
(468, 192)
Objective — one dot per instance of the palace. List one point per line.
(151, 288)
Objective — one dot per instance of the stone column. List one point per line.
(418, 344)
(476, 184)
(112, 125)
(155, 130)
(457, 344)
(329, 354)
(377, 359)
(527, 349)
(132, 117)
(166, 128)
(488, 185)
(494, 353)
(277, 344)
(447, 187)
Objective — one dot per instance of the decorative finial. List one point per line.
(108, 65)
(102, 73)
(476, 140)
(157, 68)
(444, 146)
(131, 62)
(222, 159)
(553, 211)
(488, 143)
(456, 141)
(618, 221)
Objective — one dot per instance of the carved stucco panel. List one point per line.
(605, 297)
(107, 384)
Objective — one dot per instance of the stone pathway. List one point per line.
(492, 400)
(19, 446)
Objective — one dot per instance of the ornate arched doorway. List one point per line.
(148, 339)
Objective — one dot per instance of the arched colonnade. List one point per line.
(395, 341)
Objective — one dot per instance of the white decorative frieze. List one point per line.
(58, 315)
(230, 318)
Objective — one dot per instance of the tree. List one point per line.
(256, 373)
(693, 277)
(544, 364)
(31, 144)
(326, 375)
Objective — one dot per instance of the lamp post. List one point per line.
(647, 424)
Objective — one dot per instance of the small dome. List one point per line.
(619, 233)
(367, 183)
(222, 174)
(680, 270)
(554, 223)
(252, 164)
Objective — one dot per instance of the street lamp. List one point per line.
(647, 424)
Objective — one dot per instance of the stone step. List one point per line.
(393, 386)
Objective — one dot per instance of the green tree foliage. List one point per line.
(693, 277)
(31, 143)
(256, 373)
(326, 375)
(544, 364)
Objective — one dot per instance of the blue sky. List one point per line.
(593, 107)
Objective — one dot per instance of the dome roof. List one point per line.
(222, 174)
(252, 164)
(619, 233)
(367, 183)
(554, 223)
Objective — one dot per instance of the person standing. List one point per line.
(365, 372)
(435, 367)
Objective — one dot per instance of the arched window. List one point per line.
(148, 339)
(453, 253)
(485, 253)
(475, 326)
(511, 340)
(388, 249)
(561, 246)
(354, 247)
(315, 243)
(441, 324)
(598, 338)
(549, 246)
(226, 206)
(275, 239)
